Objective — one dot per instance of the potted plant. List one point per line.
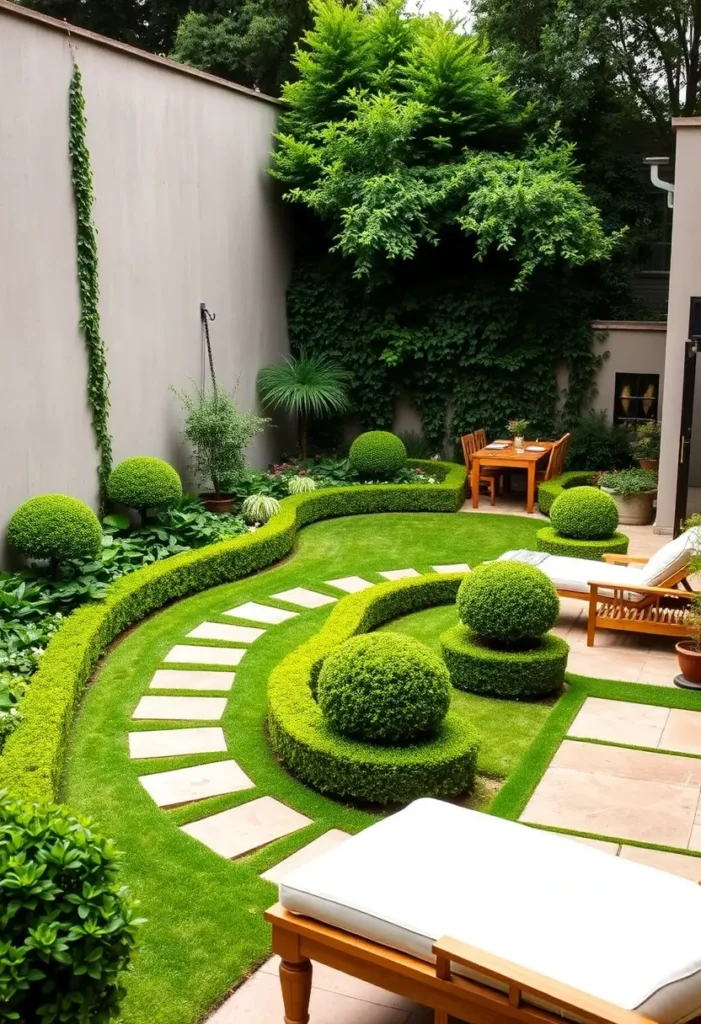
(219, 433)
(646, 446)
(633, 490)
(517, 428)
(689, 651)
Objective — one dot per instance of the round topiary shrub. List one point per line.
(54, 526)
(377, 453)
(384, 689)
(144, 482)
(507, 603)
(71, 927)
(584, 513)
(550, 541)
(510, 674)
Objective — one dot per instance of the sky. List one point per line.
(443, 7)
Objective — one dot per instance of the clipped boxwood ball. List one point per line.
(507, 602)
(144, 482)
(377, 454)
(584, 513)
(384, 689)
(54, 526)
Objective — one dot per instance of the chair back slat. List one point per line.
(468, 448)
(481, 438)
(563, 448)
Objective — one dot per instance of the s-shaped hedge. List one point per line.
(346, 768)
(31, 763)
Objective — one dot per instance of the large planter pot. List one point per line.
(633, 509)
(689, 662)
(650, 464)
(221, 505)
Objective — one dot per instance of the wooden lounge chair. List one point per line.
(539, 927)
(660, 610)
(489, 478)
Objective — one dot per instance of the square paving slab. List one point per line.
(224, 631)
(169, 789)
(682, 732)
(456, 567)
(191, 654)
(351, 584)
(326, 842)
(171, 742)
(399, 574)
(242, 829)
(620, 722)
(255, 612)
(305, 598)
(191, 679)
(674, 863)
(184, 709)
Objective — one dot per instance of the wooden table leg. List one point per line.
(475, 483)
(531, 487)
(296, 983)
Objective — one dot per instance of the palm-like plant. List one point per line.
(305, 385)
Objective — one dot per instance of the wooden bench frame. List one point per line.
(299, 940)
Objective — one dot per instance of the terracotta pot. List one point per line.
(633, 509)
(650, 464)
(221, 506)
(689, 661)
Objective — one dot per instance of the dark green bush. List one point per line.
(597, 444)
(511, 675)
(385, 689)
(584, 513)
(67, 927)
(377, 454)
(144, 482)
(551, 489)
(507, 603)
(549, 540)
(54, 526)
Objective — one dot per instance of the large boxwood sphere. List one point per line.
(584, 513)
(54, 526)
(383, 688)
(507, 603)
(377, 453)
(144, 482)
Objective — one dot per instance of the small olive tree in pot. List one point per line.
(689, 651)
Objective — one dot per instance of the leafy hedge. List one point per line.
(551, 489)
(32, 759)
(511, 675)
(306, 744)
(551, 541)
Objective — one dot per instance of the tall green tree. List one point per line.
(148, 24)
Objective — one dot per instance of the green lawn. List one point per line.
(205, 929)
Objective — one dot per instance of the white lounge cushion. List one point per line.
(672, 557)
(612, 928)
(577, 573)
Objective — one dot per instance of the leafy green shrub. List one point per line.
(301, 485)
(597, 444)
(550, 541)
(551, 489)
(144, 482)
(259, 508)
(508, 674)
(67, 927)
(647, 441)
(56, 527)
(416, 445)
(377, 454)
(584, 513)
(384, 689)
(507, 603)
(12, 689)
(629, 481)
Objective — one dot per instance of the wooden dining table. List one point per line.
(508, 458)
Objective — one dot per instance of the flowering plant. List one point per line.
(517, 428)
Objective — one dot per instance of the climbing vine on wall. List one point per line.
(88, 280)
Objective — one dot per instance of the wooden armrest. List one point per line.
(634, 588)
(625, 559)
(520, 980)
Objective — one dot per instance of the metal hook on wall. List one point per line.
(206, 317)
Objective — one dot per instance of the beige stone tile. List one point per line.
(172, 742)
(605, 805)
(329, 980)
(192, 654)
(255, 612)
(170, 789)
(314, 849)
(674, 863)
(695, 838)
(242, 829)
(305, 598)
(629, 764)
(655, 678)
(597, 844)
(453, 567)
(619, 722)
(184, 709)
(187, 679)
(682, 731)
(399, 574)
(350, 584)
(601, 664)
(226, 631)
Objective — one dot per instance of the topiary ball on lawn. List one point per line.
(584, 513)
(144, 482)
(507, 603)
(384, 689)
(377, 453)
(54, 526)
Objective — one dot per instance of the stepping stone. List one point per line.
(399, 574)
(618, 721)
(222, 631)
(242, 829)
(170, 789)
(351, 584)
(456, 567)
(189, 679)
(326, 842)
(260, 613)
(305, 598)
(682, 732)
(190, 654)
(171, 742)
(184, 709)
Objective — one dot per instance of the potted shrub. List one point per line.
(689, 651)
(646, 446)
(633, 490)
(517, 429)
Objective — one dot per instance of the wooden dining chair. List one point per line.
(481, 439)
(556, 461)
(489, 477)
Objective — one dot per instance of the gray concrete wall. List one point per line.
(185, 212)
(632, 347)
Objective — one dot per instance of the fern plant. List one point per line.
(259, 508)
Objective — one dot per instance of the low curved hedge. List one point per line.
(307, 746)
(511, 675)
(31, 762)
(548, 539)
(551, 489)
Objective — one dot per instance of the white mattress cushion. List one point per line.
(672, 557)
(621, 931)
(577, 573)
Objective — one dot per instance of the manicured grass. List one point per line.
(205, 928)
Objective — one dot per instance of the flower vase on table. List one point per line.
(517, 429)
